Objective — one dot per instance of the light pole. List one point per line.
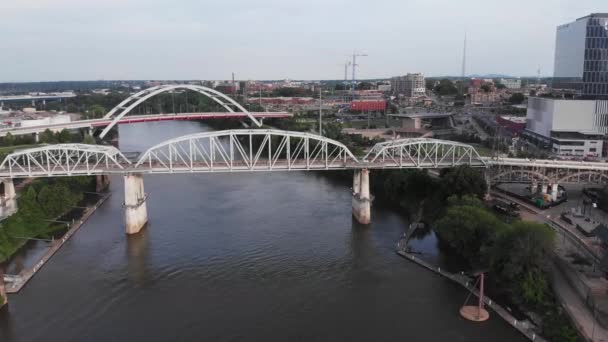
(320, 109)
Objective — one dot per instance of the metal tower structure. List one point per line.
(354, 63)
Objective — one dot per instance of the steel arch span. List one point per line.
(63, 160)
(134, 100)
(423, 153)
(247, 150)
(520, 175)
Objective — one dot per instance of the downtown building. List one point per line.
(574, 122)
(410, 85)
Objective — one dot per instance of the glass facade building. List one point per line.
(581, 57)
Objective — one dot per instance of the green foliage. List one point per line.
(9, 139)
(445, 87)
(96, 111)
(364, 86)
(517, 98)
(470, 230)
(63, 137)
(42, 201)
(463, 180)
(486, 87)
(292, 92)
(47, 137)
(88, 139)
(558, 328)
(533, 288)
(521, 253)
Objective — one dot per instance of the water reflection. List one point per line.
(137, 256)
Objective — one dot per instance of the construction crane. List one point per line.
(346, 65)
(354, 64)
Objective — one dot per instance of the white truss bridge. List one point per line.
(257, 150)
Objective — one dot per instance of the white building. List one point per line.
(569, 127)
(511, 83)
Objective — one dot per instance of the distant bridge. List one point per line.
(101, 123)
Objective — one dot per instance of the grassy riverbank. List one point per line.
(41, 202)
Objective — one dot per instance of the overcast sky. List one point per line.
(45, 40)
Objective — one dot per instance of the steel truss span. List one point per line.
(63, 160)
(423, 153)
(246, 150)
(134, 100)
(548, 171)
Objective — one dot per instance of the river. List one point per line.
(238, 257)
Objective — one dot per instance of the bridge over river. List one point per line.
(269, 150)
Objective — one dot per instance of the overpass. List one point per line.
(93, 124)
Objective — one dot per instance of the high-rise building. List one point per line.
(581, 57)
(410, 85)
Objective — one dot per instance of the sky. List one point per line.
(48, 40)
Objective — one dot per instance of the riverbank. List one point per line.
(527, 328)
(14, 283)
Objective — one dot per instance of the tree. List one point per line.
(486, 88)
(340, 86)
(47, 137)
(55, 199)
(520, 256)
(517, 98)
(88, 139)
(470, 230)
(463, 180)
(9, 139)
(499, 85)
(28, 204)
(364, 86)
(96, 111)
(446, 87)
(64, 136)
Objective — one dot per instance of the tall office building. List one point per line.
(581, 57)
(410, 85)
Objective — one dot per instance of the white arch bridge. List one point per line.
(266, 150)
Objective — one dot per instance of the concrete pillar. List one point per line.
(101, 182)
(533, 187)
(37, 137)
(554, 191)
(3, 296)
(9, 189)
(362, 199)
(543, 189)
(356, 182)
(136, 212)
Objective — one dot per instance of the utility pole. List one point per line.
(464, 65)
(320, 109)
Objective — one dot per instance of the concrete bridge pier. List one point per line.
(9, 189)
(3, 296)
(9, 199)
(533, 187)
(136, 212)
(362, 201)
(554, 191)
(101, 182)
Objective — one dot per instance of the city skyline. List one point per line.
(122, 40)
